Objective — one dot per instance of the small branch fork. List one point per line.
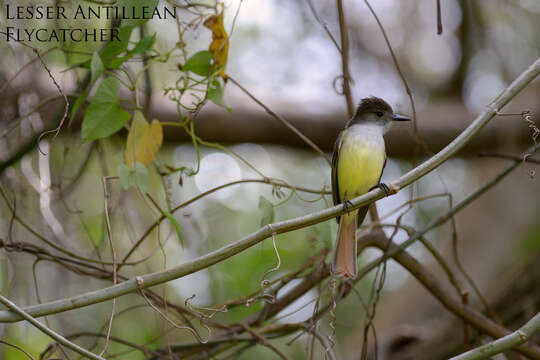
(107, 196)
(59, 338)
(56, 131)
(510, 341)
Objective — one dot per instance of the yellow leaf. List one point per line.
(219, 47)
(143, 141)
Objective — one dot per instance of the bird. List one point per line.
(358, 161)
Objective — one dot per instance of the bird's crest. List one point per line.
(372, 104)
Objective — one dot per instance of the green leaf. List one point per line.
(144, 45)
(139, 177)
(215, 94)
(200, 63)
(96, 68)
(107, 92)
(81, 63)
(176, 226)
(123, 173)
(141, 8)
(77, 104)
(116, 62)
(267, 210)
(104, 116)
(115, 48)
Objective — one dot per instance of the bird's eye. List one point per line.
(379, 113)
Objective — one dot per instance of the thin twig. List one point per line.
(18, 348)
(262, 340)
(38, 297)
(332, 323)
(330, 352)
(370, 322)
(323, 24)
(470, 315)
(107, 196)
(468, 277)
(347, 79)
(235, 18)
(345, 58)
(526, 116)
(208, 192)
(314, 260)
(147, 77)
(56, 131)
(140, 282)
(45, 240)
(439, 18)
(445, 217)
(282, 120)
(6, 84)
(59, 338)
(264, 281)
(400, 73)
(508, 342)
(508, 157)
(134, 346)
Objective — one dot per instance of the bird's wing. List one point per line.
(335, 157)
(384, 165)
(362, 212)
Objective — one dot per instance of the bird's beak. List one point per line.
(398, 117)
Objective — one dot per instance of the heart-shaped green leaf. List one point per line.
(104, 116)
(200, 63)
(215, 94)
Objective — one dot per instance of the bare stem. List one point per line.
(510, 341)
(282, 120)
(59, 338)
(345, 58)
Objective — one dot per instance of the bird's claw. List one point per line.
(383, 187)
(347, 204)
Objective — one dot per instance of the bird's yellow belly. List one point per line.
(360, 166)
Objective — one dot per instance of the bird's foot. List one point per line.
(384, 188)
(347, 205)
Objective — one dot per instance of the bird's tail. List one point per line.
(345, 253)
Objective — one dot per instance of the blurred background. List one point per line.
(281, 52)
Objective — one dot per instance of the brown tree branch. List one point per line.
(345, 58)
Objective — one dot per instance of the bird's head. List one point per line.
(376, 111)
